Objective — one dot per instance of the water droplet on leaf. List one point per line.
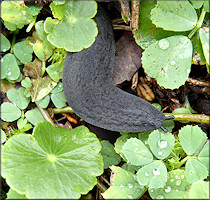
(156, 172)
(121, 186)
(182, 176)
(168, 189)
(9, 73)
(178, 183)
(146, 173)
(173, 62)
(130, 197)
(162, 144)
(160, 153)
(130, 185)
(163, 44)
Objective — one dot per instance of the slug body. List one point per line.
(87, 84)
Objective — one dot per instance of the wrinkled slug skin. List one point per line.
(87, 83)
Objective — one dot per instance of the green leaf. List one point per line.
(206, 6)
(204, 37)
(26, 83)
(199, 190)
(174, 15)
(136, 152)
(16, 14)
(44, 102)
(121, 141)
(3, 136)
(18, 97)
(203, 156)
(23, 52)
(34, 116)
(58, 88)
(130, 168)
(195, 171)
(41, 88)
(53, 163)
(55, 71)
(21, 123)
(124, 186)
(9, 112)
(197, 4)
(169, 125)
(161, 144)
(12, 194)
(176, 187)
(58, 99)
(109, 155)
(148, 33)
(5, 44)
(169, 61)
(192, 139)
(76, 30)
(153, 175)
(9, 67)
(157, 106)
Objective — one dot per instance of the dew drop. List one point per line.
(168, 189)
(188, 70)
(130, 185)
(182, 176)
(2, 60)
(178, 183)
(163, 44)
(162, 144)
(121, 186)
(160, 197)
(160, 153)
(9, 73)
(151, 190)
(173, 62)
(172, 180)
(156, 172)
(177, 190)
(140, 183)
(130, 197)
(146, 173)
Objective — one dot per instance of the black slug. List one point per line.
(87, 84)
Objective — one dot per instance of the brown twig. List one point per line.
(135, 15)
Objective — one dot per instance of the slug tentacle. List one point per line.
(87, 83)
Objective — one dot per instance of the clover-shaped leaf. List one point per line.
(153, 175)
(9, 112)
(124, 186)
(76, 30)
(53, 162)
(9, 67)
(176, 187)
(5, 44)
(34, 116)
(169, 61)
(174, 15)
(203, 156)
(17, 96)
(195, 171)
(58, 99)
(192, 139)
(55, 71)
(136, 152)
(161, 144)
(23, 52)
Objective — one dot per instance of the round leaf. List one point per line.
(199, 190)
(53, 163)
(58, 88)
(174, 15)
(192, 139)
(110, 157)
(124, 186)
(169, 61)
(9, 67)
(23, 52)
(136, 152)
(195, 171)
(9, 112)
(3, 137)
(76, 31)
(34, 116)
(161, 144)
(44, 102)
(55, 71)
(18, 98)
(176, 187)
(5, 44)
(153, 175)
(204, 37)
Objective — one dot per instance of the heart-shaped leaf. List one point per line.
(203, 156)
(53, 162)
(5, 44)
(9, 112)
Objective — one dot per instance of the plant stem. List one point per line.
(199, 23)
(101, 186)
(184, 160)
(67, 109)
(46, 115)
(199, 118)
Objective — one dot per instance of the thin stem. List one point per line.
(62, 110)
(184, 160)
(199, 23)
(199, 118)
